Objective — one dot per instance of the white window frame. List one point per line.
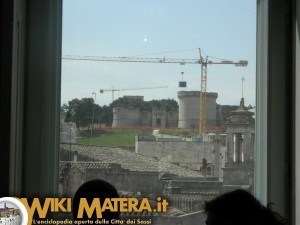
(261, 116)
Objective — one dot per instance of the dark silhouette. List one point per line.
(95, 189)
(239, 207)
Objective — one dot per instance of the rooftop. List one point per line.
(128, 160)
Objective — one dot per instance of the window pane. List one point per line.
(158, 99)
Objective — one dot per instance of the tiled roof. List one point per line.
(130, 160)
(91, 165)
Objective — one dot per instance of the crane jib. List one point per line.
(152, 60)
(203, 61)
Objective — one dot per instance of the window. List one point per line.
(134, 103)
(32, 152)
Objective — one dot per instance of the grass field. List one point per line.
(123, 138)
(111, 138)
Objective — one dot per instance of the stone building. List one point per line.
(159, 117)
(10, 216)
(133, 174)
(239, 168)
(127, 171)
(187, 154)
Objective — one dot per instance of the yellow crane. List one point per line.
(127, 89)
(203, 61)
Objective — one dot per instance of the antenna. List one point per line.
(243, 79)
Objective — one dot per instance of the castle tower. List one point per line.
(239, 168)
(189, 108)
(159, 117)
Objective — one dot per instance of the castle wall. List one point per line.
(172, 119)
(159, 117)
(126, 117)
(146, 119)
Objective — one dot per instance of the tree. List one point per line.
(81, 111)
(106, 115)
(168, 104)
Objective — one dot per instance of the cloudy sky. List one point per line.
(223, 29)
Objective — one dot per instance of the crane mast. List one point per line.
(202, 61)
(203, 95)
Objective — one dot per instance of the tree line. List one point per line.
(83, 111)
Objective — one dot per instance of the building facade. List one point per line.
(239, 168)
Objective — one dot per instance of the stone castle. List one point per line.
(186, 117)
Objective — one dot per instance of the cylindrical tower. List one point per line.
(189, 108)
(126, 117)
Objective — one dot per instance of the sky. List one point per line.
(223, 29)
(8, 204)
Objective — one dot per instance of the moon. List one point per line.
(146, 39)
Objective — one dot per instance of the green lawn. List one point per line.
(111, 138)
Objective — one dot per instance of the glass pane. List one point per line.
(158, 99)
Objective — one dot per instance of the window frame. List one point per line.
(274, 124)
(261, 114)
(35, 104)
(35, 118)
(296, 156)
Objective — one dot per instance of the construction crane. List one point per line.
(127, 89)
(203, 61)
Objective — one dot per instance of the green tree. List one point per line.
(168, 104)
(81, 111)
(106, 115)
